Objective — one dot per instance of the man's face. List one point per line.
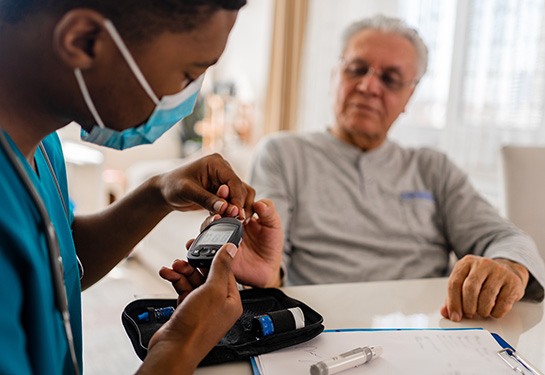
(167, 61)
(374, 83)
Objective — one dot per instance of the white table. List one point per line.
(407, 304)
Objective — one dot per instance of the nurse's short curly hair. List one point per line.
(135, 19)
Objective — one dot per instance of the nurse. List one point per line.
(126, 71)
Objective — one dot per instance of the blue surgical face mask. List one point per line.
(168, 110)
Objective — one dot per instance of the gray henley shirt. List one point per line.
(389, 213)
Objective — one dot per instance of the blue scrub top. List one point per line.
(32, 336)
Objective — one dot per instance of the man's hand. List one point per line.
(206, 310)
(484, 287)
(260, 253)
(194, 186)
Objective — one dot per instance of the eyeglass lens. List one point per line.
(390, 78)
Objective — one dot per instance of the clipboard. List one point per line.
(514, 360)
(517, 363)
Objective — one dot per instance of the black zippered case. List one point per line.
(240, 342)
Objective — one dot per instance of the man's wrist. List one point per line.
(278, 280)
(517, 268)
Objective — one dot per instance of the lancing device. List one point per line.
(160, 315)
(278, 321)
(341, 362)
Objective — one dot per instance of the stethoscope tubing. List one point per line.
(54, 254)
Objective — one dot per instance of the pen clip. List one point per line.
(527, 366)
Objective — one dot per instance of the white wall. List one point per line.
(326, 21)
(246, 60)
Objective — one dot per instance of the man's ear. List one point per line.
(408, 98)
(78, 37)
(334, 78)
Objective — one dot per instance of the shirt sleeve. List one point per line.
(269, 177)
(473, 226)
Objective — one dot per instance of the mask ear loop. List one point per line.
(130, 60)
(87, 98)
(118, 41)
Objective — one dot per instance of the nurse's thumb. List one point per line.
(220, 270)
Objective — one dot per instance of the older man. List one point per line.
(356, 206)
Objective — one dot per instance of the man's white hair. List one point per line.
(394, 26)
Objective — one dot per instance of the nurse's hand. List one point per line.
(484, 287)
(260, 253)
(195, 185)
(207, 309)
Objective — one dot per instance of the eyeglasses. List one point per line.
(391, 79)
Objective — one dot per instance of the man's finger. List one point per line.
(488, 296)
(248, 207)
(444, 311)
(504, 303)
(471, 289)
(264, 208)
(266, 215)
(454, 291)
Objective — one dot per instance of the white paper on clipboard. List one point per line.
(422, 352)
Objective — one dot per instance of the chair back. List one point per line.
(524, 185)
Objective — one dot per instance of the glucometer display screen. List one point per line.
(219, 235)
(202, 251)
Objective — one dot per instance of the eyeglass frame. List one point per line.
(398, 85)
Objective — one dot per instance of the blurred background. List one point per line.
(484, 89)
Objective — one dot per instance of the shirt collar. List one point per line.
(379, 154)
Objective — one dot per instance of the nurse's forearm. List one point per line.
(105, 238)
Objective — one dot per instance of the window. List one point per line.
(504, 69)
(435, 22)
(485, 84)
